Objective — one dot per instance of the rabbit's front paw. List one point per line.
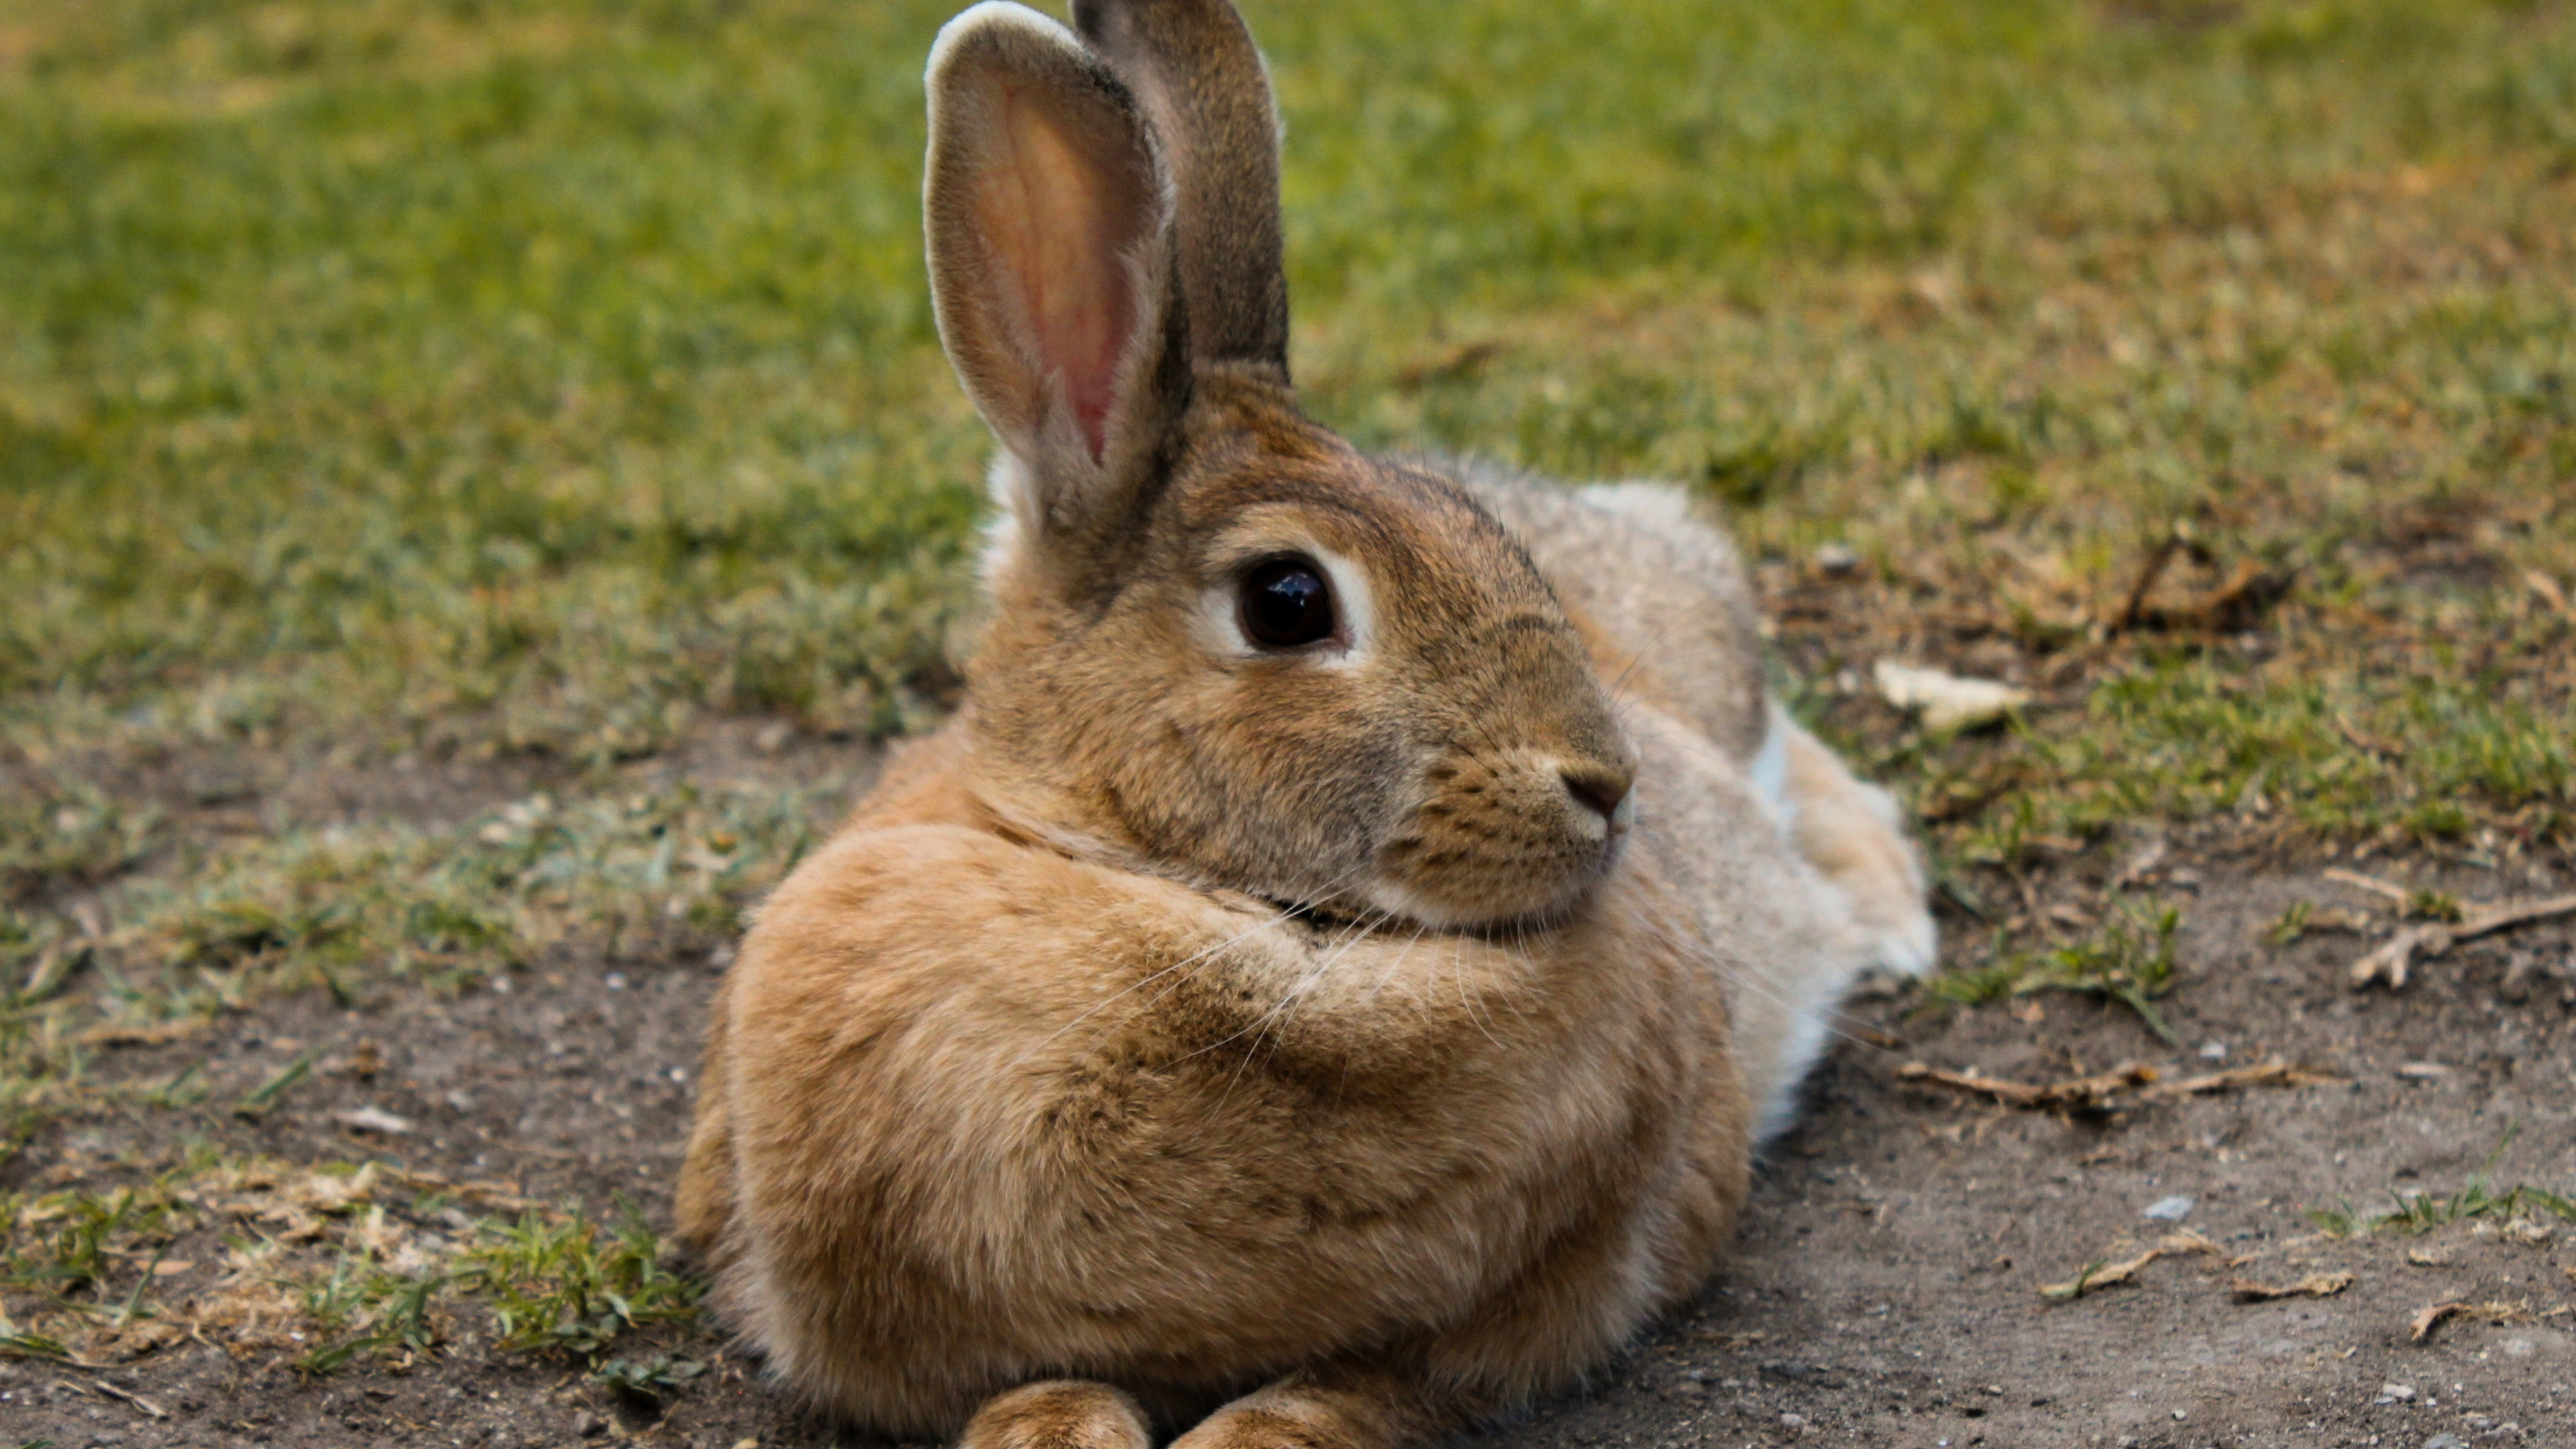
(1330, 1409)
(1058, 1414)
(1242, 1426)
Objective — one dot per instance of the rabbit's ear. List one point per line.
(1193, 64)
(1050, 235)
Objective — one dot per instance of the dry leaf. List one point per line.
(156, 1033)
(2492, 1312)
(2187, 1240)
(1946, 701)
(2315, 1285)
(2546, 589)
(2100, 1276)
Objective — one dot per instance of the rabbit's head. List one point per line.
(1223, 644)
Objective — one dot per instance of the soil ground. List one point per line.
(1884, 1289)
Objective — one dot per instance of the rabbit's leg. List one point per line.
(1851, 833)
(1333, 1406)
(1058, 1414)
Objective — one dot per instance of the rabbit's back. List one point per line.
(1659, 584)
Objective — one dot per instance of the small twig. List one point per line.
(2277, 1072)
(2391, 960)
(131, 1397)
(2154, 569)
(2486, 920)
(2090, 1091)
(2393, 891)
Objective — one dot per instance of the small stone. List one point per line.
(2395, 1394)
(2171, 1209)
(1793, 1421)
(589, 1425)
(2213, 1051)
(1837, 559)
(2446, 1441)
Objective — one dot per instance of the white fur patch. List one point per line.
(1804, 1043)
(1014, 496)
(1001, 14)
(1660, 504)
(1769, 772)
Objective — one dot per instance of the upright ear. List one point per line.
(1193, 65)
(1050, 236)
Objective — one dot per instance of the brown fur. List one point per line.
(1321, 1047)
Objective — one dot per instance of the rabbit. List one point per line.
(1326, 983)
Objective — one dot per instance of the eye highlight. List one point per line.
(1285, 603)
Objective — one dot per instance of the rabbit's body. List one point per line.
(1347, 946)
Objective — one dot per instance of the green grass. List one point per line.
(355, 913)
(362, 1283)
(2421, 1212)
(530, 374)
(2129, 961)
(569, 1286)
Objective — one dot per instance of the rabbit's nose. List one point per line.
(1598, 788)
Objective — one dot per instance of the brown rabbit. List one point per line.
(1326, 984)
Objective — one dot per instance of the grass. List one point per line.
(369, 1275)
(359, 913)
(519, 375)
(2129, 961)
(569, 1286)
(2422, 1212)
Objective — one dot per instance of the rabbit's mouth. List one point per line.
(1504, 840)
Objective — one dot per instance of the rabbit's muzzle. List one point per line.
(1505, 836)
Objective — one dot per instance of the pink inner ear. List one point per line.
(1063, 209)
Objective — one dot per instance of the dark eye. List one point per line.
(1285, 604)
